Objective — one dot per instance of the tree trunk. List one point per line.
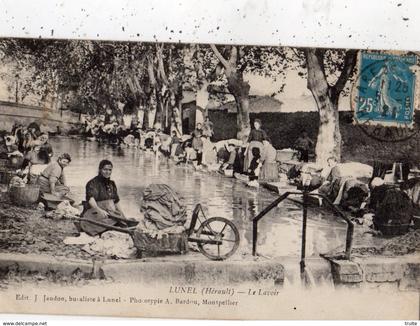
(240, 90)
(236, 86)
(329, 136)
(242, 117)
(202, 96)
(145, 124)
(165, 115)
(178, 115)
(326, 97)
(159, 108)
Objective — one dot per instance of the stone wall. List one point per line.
(25, 114)
(396, 273)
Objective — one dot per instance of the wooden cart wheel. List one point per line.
(219, 229)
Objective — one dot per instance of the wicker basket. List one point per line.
(171, 243)
(24, 196)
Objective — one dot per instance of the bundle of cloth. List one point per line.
(63, 210)
(111, 243)
(130, 140)
(17, 182)
(162, 228)
(163, 210)
(296, 171)
(346, 184)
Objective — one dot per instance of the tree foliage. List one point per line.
(226, 68)
(92, 76)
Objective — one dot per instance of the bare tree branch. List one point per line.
(349, 64)
(234, 56)
(150, 71)
(317, 81)
(219, 56)
(161, 69)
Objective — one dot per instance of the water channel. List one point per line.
(279, 231)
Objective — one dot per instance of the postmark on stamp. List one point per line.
(383, 97)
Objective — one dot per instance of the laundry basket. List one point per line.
(24, 196)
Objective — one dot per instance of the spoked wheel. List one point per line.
(222, 236)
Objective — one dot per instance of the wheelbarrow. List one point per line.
(217, 238)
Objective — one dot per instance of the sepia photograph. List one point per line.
(210, 181)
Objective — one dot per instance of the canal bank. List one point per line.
(388, 273)
(159, 298)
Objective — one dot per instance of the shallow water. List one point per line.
(279, 230)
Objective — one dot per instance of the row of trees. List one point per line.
(154, 76)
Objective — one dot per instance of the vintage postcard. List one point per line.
(208, 180)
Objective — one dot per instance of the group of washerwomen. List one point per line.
(196, 148)
(110, 130)
(244, 158)
(27, 148)
(102, 202)
(29, 151)
(31, 146)
(247, 158)
(255, 154)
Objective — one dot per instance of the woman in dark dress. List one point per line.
(102, 201)
(255, 140)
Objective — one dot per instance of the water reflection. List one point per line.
(279, 231)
